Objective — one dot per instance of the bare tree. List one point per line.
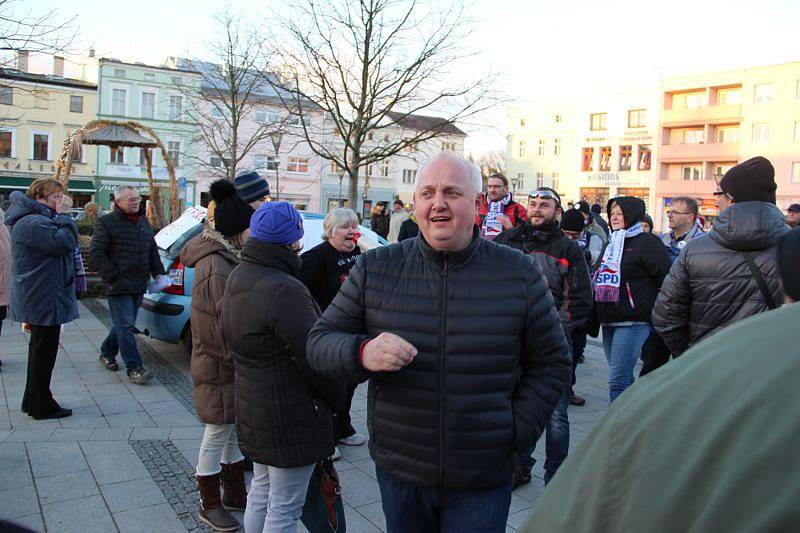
(490, 162)
(22, 30)
(235, 110)
(368, 66)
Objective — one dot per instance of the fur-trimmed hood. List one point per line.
(210, 241)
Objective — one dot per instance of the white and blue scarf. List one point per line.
(492, 227)
(608, 276)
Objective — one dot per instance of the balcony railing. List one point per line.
(701, 115)
(679, 153)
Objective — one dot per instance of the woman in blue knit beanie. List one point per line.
(283, 408)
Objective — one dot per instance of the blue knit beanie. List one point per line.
(251, 186)
(276, 223)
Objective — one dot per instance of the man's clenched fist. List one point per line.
(387, 353)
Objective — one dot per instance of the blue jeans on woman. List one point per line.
(623, 346)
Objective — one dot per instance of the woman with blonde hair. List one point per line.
(43, 243)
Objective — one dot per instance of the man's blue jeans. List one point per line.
(556, 441)
(123, 308)
(623, 346)
(409, 507)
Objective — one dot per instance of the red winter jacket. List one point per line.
(514, 211)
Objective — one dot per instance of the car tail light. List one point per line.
(175, 275)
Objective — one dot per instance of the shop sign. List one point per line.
(608, 178)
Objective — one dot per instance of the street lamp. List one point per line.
(340, 172)
(276, 138)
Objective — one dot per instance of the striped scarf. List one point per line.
(608, 277)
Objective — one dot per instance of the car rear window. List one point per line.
(174, 249)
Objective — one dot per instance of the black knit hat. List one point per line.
(788, 254)
(572, 220)
(753, 180)
(231, 214)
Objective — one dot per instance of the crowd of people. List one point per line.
(469, 329)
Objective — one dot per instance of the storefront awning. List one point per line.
(20, 184)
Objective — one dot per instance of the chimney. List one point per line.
(58, 66)
(22, 60)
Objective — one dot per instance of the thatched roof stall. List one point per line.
(124, 134)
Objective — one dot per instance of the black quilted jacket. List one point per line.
(710, 285)
(283, 408)
(124, 253)
(492, 359)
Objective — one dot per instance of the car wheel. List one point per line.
(186, 338)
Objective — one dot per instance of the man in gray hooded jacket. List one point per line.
(730, 273)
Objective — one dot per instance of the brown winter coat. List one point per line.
(5, 262)
(213, 257)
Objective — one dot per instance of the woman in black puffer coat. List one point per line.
(283, 408)
(634, 265)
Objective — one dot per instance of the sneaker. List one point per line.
(336, 454)
(577, 400)
(140, 375)
(521, 477)
(109, 364)
(356, 439)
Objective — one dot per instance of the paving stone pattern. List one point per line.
(179, 385)
(174, 476)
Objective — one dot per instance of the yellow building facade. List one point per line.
(37, 112)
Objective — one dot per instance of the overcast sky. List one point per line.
(544, 50)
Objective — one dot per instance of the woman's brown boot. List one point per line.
(234, 494)
(211, 510)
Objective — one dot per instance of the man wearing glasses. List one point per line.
(567, 273)
(683, 227)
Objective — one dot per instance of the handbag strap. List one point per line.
(762, 285)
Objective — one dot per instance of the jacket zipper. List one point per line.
(442, 337)
(630, 296)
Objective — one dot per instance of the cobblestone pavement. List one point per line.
(124, 460)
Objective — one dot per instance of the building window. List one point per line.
(604, 164)
(6, 95)
(409, 147)
(796, 172)
(409, 176)
(41, 147)
(41, 100)
(76, 104)
(174, 152)
(695, 136)
(265, 117)
(540, 150)
(625, 152)
(177, 80)
(637, 118)
(119, 73)
(117, 156)
(763, 93)
(556, 180)
(645, 157)
(539, 180)
(520, 184)
(298, 164)
(143, 157)
(175, 107)
(728, 134)
(597, 121)
(760, 132)
(149, 76)
(384, 168)
(148, 105)
(588, 155)
(119, 102)
(217, 162)
(6, 143)
(688, 100)
(522, 148)
(448, 146)
(721, 169)
(557, 146)
(692, 172)
(729, 96)
(272, 162)
(522, 123)
(260, 161)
